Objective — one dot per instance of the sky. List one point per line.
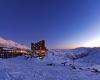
(62, 24)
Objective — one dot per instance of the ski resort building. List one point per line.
(37, 49)
(6, 52)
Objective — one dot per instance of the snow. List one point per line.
(96, 67)
(11, 44)
(19, 68)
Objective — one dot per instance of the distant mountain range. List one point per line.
(93, 54)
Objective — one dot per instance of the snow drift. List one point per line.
(11, 44)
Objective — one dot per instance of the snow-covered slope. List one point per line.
(79, 50)
(59, 56)
(93, 57)
(20, 68)
(11, 44)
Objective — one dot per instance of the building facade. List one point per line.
(39, 48)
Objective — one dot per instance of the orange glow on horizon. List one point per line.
(92, 43)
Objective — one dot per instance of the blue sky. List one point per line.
(62, 23)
